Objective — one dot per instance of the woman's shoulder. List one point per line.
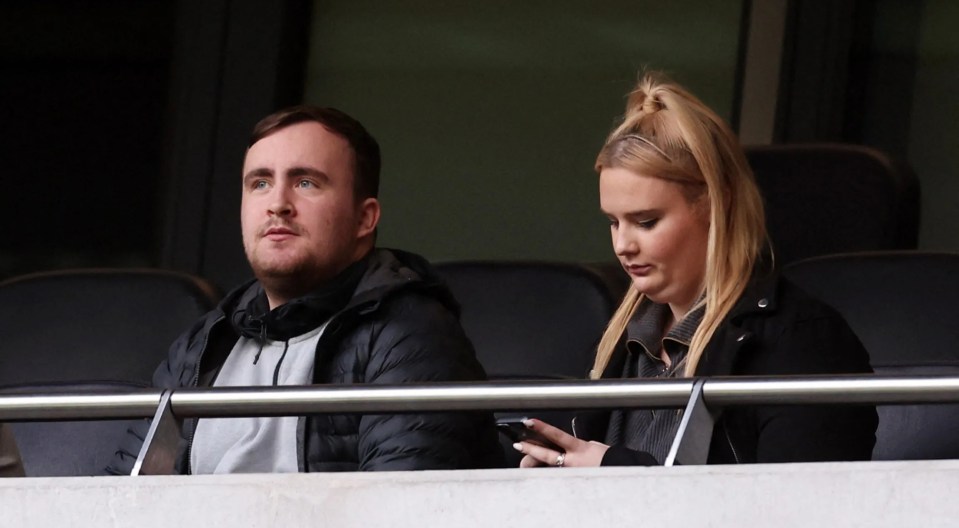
(775, 296)
(797, 332)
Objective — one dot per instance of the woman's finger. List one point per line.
(544, 455)
(529, 462)
(554, 434)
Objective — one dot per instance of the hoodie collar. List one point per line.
(255, 319)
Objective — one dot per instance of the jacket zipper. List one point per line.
(301, 432)
(730, 442)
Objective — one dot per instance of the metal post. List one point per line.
(158, 454)
(695, 432)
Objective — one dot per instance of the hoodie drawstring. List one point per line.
(261, 340)
(276, 372)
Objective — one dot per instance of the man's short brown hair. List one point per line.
(366, 151)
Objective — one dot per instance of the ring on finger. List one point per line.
(560, 459)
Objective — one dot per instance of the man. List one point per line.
(327, 307)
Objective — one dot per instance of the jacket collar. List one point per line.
(645, 332)
(388, 271)
(760, 298)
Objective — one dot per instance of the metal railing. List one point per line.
(699, 396)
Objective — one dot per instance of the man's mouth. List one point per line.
(279, 233)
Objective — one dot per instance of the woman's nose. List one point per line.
(623, 243)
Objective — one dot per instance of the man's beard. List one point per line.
(289, 276)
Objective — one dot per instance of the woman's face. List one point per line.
(659, 237)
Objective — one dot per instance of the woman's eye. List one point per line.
(647, 224)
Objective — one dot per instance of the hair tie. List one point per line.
(651, 105)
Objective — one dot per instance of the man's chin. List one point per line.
(279, 268)
(275, 273)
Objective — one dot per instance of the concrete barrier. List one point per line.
(873, 494)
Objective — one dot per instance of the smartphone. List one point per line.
(516, 431)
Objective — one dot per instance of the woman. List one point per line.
(687, 225)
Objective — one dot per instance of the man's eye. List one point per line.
(259, 184)
(305, 184)
(613, 223)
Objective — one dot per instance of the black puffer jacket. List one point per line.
(400, 326)
(774, 329)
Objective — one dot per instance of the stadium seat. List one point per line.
(95, 325)
(900, 304)
(88, 331)
(533, 321)
(68, 448)
(827, 198)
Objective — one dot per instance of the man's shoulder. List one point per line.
(398, 282)
(402, 295)
(395, 268)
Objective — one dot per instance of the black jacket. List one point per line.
(774, 329)
(400, 326)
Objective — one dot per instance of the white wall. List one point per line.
(873, 494)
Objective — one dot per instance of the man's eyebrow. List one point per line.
(308, 171)
(257, 173)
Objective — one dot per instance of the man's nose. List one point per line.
(280, 203)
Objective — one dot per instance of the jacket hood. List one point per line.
(389, 271)
(393, 270)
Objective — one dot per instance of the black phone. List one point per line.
(516, 431)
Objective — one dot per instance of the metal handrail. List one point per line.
(701, 397)
(78, 406)
(494, 396)
(838, 390)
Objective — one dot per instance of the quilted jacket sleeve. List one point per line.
(422, 342)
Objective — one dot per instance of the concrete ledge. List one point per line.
(873, 494)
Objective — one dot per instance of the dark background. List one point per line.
(124, 123)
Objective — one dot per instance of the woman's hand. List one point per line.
(578, 453)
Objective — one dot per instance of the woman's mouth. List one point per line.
(638, 270)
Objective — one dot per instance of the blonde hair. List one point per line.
(668, 133)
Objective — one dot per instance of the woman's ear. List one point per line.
(702, 207)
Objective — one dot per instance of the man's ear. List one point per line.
(369, 217)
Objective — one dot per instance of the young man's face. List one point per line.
(301, 222)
